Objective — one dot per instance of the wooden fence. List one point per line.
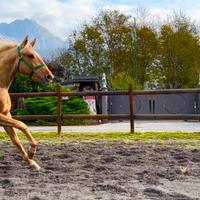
(59, 117)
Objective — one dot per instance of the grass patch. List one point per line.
(114, 136)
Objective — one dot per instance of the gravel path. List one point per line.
(140, 126)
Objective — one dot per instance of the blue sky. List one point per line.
(63, 16)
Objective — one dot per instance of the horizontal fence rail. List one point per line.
(59, 117)
(107, 93)
(113, 116)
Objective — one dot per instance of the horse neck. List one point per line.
(8, 60)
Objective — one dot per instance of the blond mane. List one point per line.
(6, 46)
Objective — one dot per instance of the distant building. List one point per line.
(80, 84)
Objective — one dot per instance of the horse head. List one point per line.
(31, 63)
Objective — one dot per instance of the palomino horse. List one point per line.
(26, 60)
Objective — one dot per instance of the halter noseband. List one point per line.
(29, 65)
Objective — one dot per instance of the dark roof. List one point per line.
(85, 78)
(81, 79)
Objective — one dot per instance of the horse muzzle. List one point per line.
(45, 80)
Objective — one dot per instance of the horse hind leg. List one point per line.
(15, 139)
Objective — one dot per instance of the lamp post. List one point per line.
(134, 41)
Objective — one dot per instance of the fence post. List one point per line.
(59, 109)
(131, 103)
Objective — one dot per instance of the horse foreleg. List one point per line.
(7, 120)
(15, 139)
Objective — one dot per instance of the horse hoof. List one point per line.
(34, 165)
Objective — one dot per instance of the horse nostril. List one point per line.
(49, 77)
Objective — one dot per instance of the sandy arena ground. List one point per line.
(107, 171)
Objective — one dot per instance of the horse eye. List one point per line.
(31, 56)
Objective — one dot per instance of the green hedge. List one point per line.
(48, 106)
(23, 83)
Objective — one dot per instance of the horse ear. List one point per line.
(33, 42)
(24, 43)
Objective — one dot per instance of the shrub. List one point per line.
(23, 83)
(48, 106)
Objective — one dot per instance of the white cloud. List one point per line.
(158, 10)
(60, 17)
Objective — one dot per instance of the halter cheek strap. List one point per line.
(29, 65)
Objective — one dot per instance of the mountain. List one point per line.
(18, 29)
(4, 39)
